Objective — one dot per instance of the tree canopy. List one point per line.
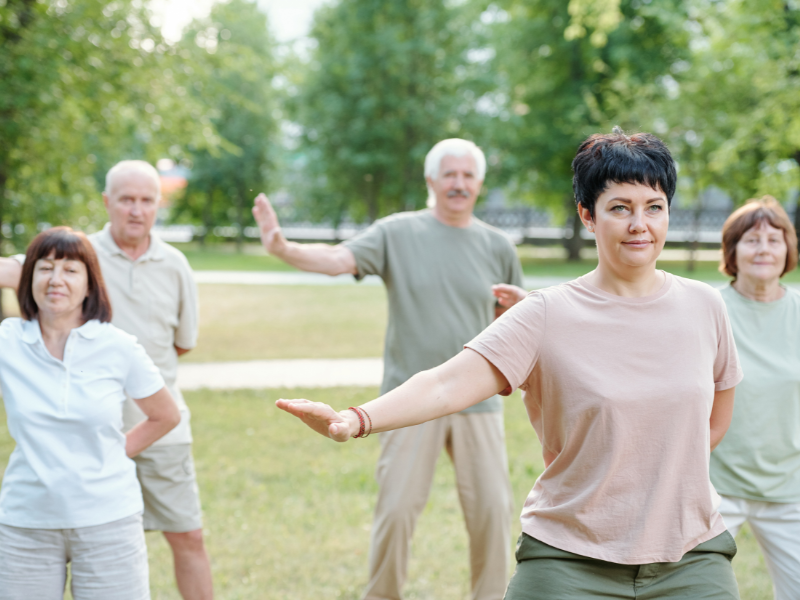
(89, 82)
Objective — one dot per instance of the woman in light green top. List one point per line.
(756, 468)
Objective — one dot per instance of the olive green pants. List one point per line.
(547, 573)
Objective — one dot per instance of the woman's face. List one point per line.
(60, 286)
(761, 253)
(630, 223)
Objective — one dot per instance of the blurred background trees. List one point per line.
(233, 68)
(342, 127)
(84, 84)
(385, 82)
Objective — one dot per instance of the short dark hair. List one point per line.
(753, 213)
(64, 242)
(618, 158)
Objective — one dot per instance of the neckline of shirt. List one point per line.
(33, 333)
(755, 304)
(665, 287)
(429, 213)
(153, 252)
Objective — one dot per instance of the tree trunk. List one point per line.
(3, 178)
(797, 202)
(207, 216)
(695, 242)
(240, 217)
(574, 243)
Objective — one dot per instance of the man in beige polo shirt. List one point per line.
(154, 297)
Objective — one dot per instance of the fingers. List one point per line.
(318, 416)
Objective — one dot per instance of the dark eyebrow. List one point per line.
(626, 201)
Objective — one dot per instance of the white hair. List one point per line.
(138, 166)
(452, 147)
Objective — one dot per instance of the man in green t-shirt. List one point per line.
(438, 266)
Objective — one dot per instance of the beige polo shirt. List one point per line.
(155, 299)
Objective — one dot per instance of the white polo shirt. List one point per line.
(69, 468)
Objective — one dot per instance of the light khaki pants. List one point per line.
(476, 444)
(109, 562)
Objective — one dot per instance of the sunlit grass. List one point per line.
(287, 512)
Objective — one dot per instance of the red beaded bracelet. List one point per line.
(360, 420)
(370, 423)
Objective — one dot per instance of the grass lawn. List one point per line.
(287, 512)
(246, 322)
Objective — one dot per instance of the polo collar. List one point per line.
(32, 333)
(154, 252)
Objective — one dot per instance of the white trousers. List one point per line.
(109, 562)
(777, 529)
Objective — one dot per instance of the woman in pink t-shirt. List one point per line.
(628, 376)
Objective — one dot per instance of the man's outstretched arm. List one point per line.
(10, 272)
(318, 258)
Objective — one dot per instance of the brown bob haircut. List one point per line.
(64, 242)
(752, 214)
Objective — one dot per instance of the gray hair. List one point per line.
(139, 166)
(452, 147)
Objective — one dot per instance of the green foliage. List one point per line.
(732, 111)
(557, 84)
(386, 81)
(233, 72)
(85, 83)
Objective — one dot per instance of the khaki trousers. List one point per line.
(476, 445)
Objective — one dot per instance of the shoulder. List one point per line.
(496, 236)
(403, 220)
(108, 336)
(175, 257)
(697, 291)
(12, 328)
(793, 294)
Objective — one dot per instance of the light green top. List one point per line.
(438, 280)
(759, 458)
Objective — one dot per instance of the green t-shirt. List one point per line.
(438, 280)
(759, 458)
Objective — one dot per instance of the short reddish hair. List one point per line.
(753, 213)
(64, 242)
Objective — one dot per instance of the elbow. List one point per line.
(174, 418)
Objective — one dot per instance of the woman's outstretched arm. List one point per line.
(462, 381)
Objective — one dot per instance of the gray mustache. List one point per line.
(453, 193)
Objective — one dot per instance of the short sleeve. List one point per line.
(144, 378)
(188, 316)
(369, 250)
(512, 343)
(727, 370)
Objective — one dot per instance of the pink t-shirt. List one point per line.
(619, 391)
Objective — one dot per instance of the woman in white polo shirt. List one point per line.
(70, 493)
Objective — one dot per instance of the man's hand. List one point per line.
(508, 295)
(270, 228)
